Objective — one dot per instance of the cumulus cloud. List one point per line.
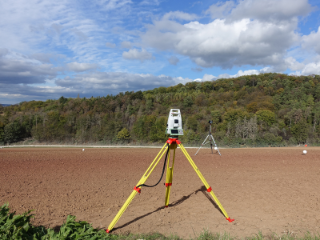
(246, 72)
(81, 67)
(311, 68)
(251, 32)
(173, 60)
(312, 41)
(20, 69)
(218, 43)
(208, 77)
(135, 54)
(293, 64)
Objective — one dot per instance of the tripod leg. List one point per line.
(169, 175)
(209, 189)
(137, 190)
(211, 147)
(202, 144)
(215, 145)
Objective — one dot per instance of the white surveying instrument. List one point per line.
(174, 124)
(210, 140)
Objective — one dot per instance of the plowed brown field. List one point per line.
(272, 190)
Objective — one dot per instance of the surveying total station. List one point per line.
(174, 129)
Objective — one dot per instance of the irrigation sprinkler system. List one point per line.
(174, 129)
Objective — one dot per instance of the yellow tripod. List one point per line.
(171, 145)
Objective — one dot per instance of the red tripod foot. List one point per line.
(230, 220)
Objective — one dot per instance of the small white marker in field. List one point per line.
(82, 150)
(215, 148)
(304, 151)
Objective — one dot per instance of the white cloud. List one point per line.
(76, 27)
(135, 54)
(20, 69)
(87, 84)
(173, 60)
(3, 52)
(270, 10)
(245, 32)
(150, 2)
(311, 68)
(220, 10)
(81, 67)
(293, 64)
(109, 5)
(312, 41)
(110, 45)
(208, 77)
(246, 72)
(179, 15)
(218, 43)
(114, 82)
(47, 57)
(126, 44)
(57, 28)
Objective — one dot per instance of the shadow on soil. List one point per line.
(181, 200)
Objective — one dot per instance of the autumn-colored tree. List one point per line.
(123, 134)
(266, 116)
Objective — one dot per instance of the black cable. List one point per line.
(164, 167)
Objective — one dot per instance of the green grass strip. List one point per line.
(18, 227)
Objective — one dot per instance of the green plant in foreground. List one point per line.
(18, 227)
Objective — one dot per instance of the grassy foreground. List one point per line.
(13, 226)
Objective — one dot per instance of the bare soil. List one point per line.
(272, 190)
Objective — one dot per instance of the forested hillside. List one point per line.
(258, 110)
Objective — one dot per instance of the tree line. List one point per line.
(258, 110)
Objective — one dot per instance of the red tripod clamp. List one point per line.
(137, 189)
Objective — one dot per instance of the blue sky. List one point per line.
(50, 49)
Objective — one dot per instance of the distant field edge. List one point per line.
(77, 146)
(145, 146)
